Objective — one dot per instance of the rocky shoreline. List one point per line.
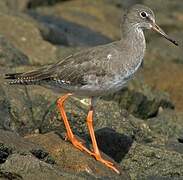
(138, 128)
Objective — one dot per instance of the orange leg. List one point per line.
(96, 153)
(70, 135)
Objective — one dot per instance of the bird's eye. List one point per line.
(143, 14)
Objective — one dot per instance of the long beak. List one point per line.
(156, 28)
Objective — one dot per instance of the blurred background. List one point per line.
(38, 32)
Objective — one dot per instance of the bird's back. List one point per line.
(94, 71)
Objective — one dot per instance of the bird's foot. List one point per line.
(79, 145)
(106, 163)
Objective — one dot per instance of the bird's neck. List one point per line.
(131, 31)
(133, 39)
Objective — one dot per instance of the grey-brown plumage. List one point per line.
(101, 69)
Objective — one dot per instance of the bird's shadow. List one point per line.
(112, 143)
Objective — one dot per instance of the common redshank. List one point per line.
(96, 71)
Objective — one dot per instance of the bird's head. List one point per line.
(140, 16)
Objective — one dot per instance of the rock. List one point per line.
(159, 178)
(11, 56)
(26, 38)
(122, 125)
(11, 142)
(19, 5)
(33, 168)
(173, 144)
(47, 157)
(137, 127)
(24, 109)
(122, 122)
(67, 19)
(5, 117)
(119, 123)
(153, 131)
(163, 67)
(3, 6)
(16, 5)
(15, 152)
(124, 3)
(36, 3)
(180, 139)
(8, 175)
(143, 161)
(69, 159)
(63, 32)
(168, 124)
(43, 156)
(4, 152)
(143, 103)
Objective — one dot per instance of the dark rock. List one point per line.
(36, 3)
(43, 155)
(143, 103)
(3, 156)
(68, 18)
(10, 56)
(180, 140)
(4, 152)
(19, 5)
(124, 3)
(60, 31)
(40, 154)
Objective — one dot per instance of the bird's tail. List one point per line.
(19, 78)
(28, 78)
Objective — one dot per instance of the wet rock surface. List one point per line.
(138, 128)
